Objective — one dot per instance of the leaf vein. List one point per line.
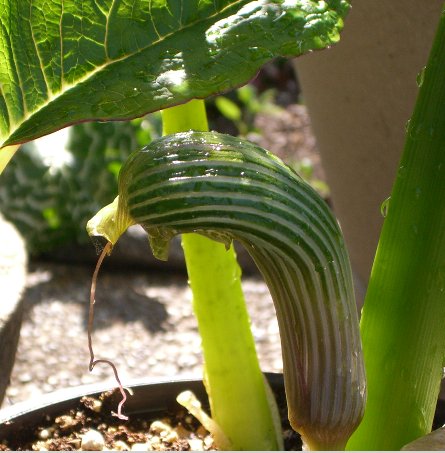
(100, 9)
(62, 75)
(37, 49)
(107, 24)
(20, 82)
(8, 114)
(153, 22)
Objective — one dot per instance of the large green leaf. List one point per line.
(65, 61)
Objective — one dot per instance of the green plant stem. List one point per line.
(6, 155)
(234, 380)
(403, 321)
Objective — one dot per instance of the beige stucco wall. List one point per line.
(360, 95)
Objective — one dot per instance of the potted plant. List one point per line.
(81, 417)
(155, 56)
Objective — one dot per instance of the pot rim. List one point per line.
(149, 395)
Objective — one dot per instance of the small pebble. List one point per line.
(141, 447)
(76, 443)
(158, 427)
(40, 446)
(208, 441)
(44, 434)
(155, 443)
(120, 445)
(196, 444)
(65, 421)
(155, 439)
(25, 377)
(13, 392)
(96, 406)
(170, 437)
(52, 380)
(92, 440)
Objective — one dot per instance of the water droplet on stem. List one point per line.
(420, 77)
(384, 207)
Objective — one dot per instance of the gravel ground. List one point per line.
(143, 322)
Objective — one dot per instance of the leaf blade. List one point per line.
(71, 61)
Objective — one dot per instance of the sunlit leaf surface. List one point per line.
(65, 61)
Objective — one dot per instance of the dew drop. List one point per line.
(388, 366)
(407, 125)
(416, 131)
(384, 207)
(403, 373)
(420, 77)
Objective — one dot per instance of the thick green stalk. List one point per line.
(234, 380)
(403, 321)
(6, 155)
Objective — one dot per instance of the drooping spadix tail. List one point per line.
(229, 189)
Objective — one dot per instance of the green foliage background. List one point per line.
(51, 205)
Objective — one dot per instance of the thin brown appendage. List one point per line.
(93, 363)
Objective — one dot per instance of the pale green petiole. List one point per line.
(6, 155)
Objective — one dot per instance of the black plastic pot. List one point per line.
(151, 400)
